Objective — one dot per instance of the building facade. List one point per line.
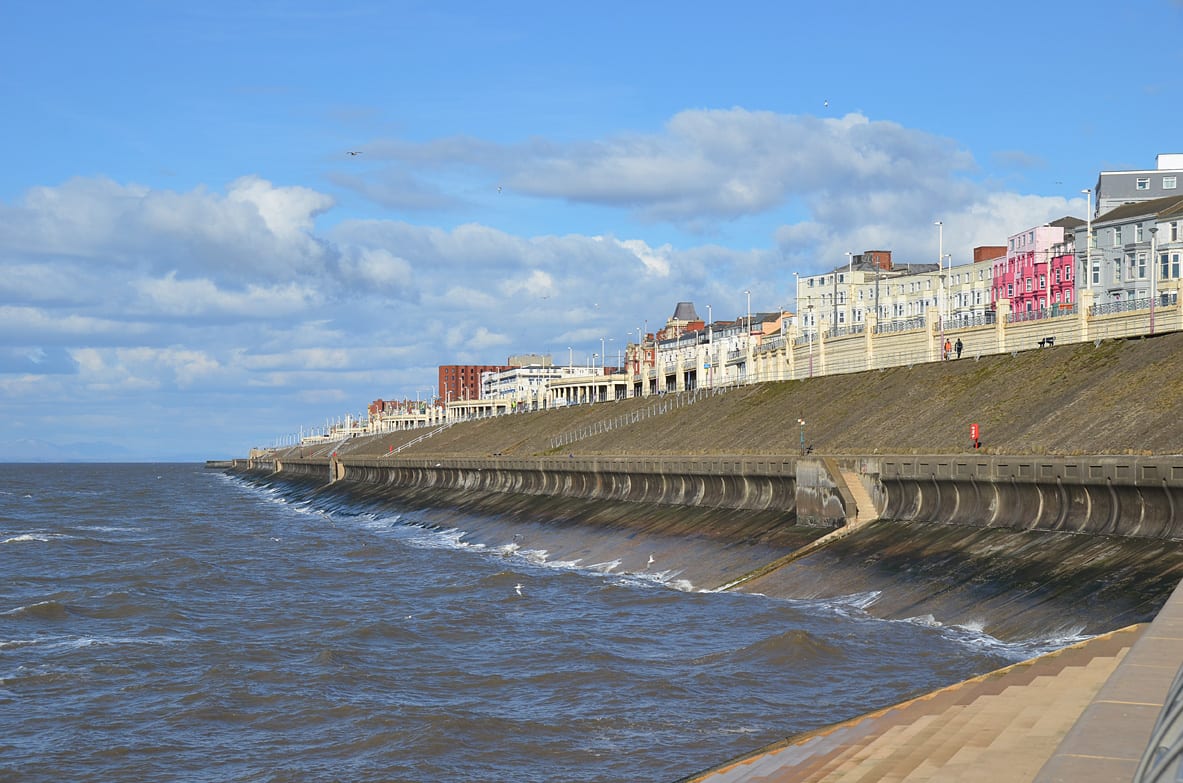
(1037, 270)
(1115, 188)
(463, 381)
(1119, 264)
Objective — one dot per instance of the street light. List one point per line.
(849, 288)
(570, 358)
(1088, 238)
(749, 295)
(801, 421)
(810, 308)
(941, 279)
(710, 357)
(1153, 272)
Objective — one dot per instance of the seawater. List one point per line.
(166, 622)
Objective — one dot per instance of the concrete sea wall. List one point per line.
(1119, 496)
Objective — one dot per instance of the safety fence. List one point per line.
(664, 404)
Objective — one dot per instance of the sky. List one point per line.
(193, 263)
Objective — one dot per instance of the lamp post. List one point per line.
(945, 275)
(941, 280)
(570, 358)
(850, 288)
(1153, 272)
(810, 308)
(1086, 262)
(710, 358)
(801, 422)
(749, 295)
(601, 355)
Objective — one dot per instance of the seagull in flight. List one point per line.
(353, 152)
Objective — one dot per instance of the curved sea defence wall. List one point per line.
(1138, 497)
(748, 483)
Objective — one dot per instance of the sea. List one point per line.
(167, 622)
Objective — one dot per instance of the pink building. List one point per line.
(1037, 271)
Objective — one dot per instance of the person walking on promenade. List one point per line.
(957, 347)
(948, 348)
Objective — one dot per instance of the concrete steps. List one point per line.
(998, 728)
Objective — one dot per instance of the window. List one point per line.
(1096, 272)
(1141, 266)
(1010, 290)
(1117, 237)
(1028, 285)
(1117, 270)
(1138, 235)
(1163, 266)
(1175, 265)
(1142, 183)
(1168, 183)
(1175, 232)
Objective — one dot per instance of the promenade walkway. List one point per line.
(1082, 714)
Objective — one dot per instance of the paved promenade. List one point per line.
(1082, 714)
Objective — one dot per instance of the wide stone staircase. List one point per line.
(1001, 727)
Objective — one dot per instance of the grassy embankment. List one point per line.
(1118, 397)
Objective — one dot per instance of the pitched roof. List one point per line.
(1067, 222)
(1155, 206)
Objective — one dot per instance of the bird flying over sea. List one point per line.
(354, 152)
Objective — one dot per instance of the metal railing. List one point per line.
(419, 439)
(666, 403)
(1162, 761)
(969, 321)
(771, 344)
(1056, 311)
(904, 325)
(1125, 306)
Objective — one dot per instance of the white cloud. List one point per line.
(169, 297)
(379, 268)
(142, 293)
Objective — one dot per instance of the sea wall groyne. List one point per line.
(1138, 497)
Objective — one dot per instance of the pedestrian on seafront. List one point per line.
(957, 347)
(948, 348)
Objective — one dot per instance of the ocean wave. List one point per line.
(42, 610)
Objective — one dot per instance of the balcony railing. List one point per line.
(900, 326)
(1055, 311)
(1126, 305)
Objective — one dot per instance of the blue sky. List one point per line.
(192, 264)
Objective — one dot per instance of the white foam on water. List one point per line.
(926, 620)
(26, 538)
(605, 567)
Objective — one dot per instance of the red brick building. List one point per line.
(463, 381)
